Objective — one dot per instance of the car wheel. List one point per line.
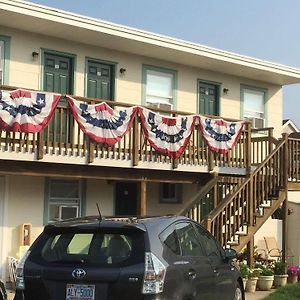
(238, 294)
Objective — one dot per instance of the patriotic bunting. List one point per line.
(168, 135)
(26, 111)
(221, 136)
(100, 122)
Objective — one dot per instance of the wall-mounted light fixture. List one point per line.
(225, 91)
(35, 54)
(122, 71)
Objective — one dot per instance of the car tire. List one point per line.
(238, 293)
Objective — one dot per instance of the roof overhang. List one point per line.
(52, 22)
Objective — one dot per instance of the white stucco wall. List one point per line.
(294, 226)
(272, 228)
(26, 72)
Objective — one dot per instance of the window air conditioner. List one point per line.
(68, 212)
(256, 122)
(165, 106)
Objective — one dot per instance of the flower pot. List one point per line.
(265, 283)
(292, 278)
(280, 280)
(251, 284)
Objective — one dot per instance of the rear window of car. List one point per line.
(100, 248)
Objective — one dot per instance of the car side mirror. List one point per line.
(230, 254)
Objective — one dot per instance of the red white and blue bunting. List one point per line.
(26, 111)
(221, 136)
(100, 122)
(167, 135)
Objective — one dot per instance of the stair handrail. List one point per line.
(228, 199)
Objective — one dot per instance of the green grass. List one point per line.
(288, 292)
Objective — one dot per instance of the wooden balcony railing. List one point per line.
(63, 138)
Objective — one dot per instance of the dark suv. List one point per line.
(151, 258)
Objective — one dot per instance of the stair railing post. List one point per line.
(285, 202)
(248, 147)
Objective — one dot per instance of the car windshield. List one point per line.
(101, 248)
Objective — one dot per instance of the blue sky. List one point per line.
(265, 29)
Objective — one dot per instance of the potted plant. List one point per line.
(265, 278)
(280, 273)
(245, 272)
(292, 274)
(252, 280)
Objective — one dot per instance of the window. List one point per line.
(170, 193)
(188, 240)
(64, 199)
(254, 106)
(211, 247)
(159, 87)
(95, 247)
(4, 59)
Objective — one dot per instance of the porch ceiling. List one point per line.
(42, 20)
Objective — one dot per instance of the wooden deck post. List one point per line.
(143, 198)
(284, 231)
(135, 141)
(250, 252)
(248, 147)
(40, 146)
(285, 202)
(91, 149)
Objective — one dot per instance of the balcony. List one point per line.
(62, 141)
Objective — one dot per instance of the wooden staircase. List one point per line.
(240, 206)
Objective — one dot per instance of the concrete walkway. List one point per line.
(258, 295)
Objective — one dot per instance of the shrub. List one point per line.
(245, 271)
(279, 268)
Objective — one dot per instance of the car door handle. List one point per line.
(192, 274)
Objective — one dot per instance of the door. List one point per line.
(208, 95)
(126, 199)
(58, 78)
(100, 80)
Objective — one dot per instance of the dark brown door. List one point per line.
(126, 199)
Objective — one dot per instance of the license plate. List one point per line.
(80, 292)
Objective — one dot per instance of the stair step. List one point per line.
(233, 243)
(265, 205)
(241, 233)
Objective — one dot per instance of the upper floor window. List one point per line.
(159, 87)
(254, 106)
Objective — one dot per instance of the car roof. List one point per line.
(145, 223)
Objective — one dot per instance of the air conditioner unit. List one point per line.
(68, 212)
(165, 106)
(256, 122)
